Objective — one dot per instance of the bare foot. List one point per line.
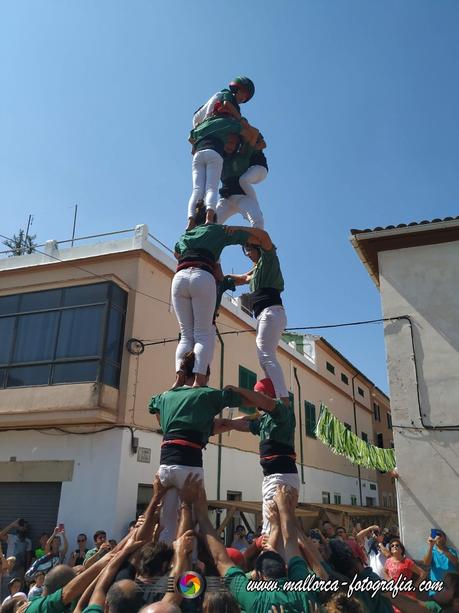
(210, 216)
(179, 380)
(199, 380)
(191, 224)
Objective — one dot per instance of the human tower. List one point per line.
(225, 147)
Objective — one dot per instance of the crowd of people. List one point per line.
(142, 572)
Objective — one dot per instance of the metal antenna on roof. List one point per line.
(74, 223)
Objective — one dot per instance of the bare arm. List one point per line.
(241, 279)
(183, 547)
(50, 540)
(286, 499)
(365, 532)
(187, 494)
(257, 236)
(427, 560)
(241, 424)
(251, 399)
(217, 550)
(107, 576)
(250, 135)
(275, 533)
(145, 531)
(4, 532)
(65, 548)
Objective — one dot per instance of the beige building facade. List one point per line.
(76, 438)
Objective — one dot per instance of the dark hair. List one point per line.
(99, 533)
(271, 565)
(124, 596)
(14, 580)
(12, 605)
(187, 365)
(132, 523)
(340, 603)
(58, 577)
(154, 558)
(201, 214)
(402, 546)
(239, 527)
(342, 558)
(244, 250)
(340, 528)
(220, 602)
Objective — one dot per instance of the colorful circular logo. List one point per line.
(190, 585)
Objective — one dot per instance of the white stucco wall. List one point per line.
(103, 491)
(423, 282)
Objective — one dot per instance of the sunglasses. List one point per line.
(395, 545)
(82, 540)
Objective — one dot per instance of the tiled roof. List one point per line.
(404, 225)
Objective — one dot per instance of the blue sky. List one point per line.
(358, 102)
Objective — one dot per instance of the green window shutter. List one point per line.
(310, 411)
(247, 379)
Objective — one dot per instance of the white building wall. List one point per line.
(423, 282)
(104, 487)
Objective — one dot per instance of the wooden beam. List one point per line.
(228, 518)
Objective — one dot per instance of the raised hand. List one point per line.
(188, 491)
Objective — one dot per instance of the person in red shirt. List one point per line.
(398, 564)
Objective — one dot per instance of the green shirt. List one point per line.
(430, 605)
(93, 608)
(267, 272)
(278, 425)
(49, 604)
(192, 408)
(262, 602)
(236, 164)
(213, 238)
(217, 127)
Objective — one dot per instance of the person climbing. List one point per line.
(240, 170)
(212, 125)
(266, 284)
(194, 291)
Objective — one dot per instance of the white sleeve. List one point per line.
(11, 542)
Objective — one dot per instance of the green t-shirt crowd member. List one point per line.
(186, 415)
(262, 602)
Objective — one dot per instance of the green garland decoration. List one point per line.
(333, 433)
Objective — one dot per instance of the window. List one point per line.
(376, 411)
(392, 444)
(384, 500)
(65, 335)
(344, 378)
(365, 437)
(330, 368)
(380, 440)
(360, 391)
(354, 501)
(370, 502)
(372, 486)
(389, 421)
(337, 498)
(310, 410)
(326, 497)
(348, 426)
(247, 380)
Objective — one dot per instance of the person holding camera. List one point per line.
(19, 545)
(439, 558)
(377, 554)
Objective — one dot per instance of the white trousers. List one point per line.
(247, 207)
(206, 171)
(194, 294)
(174, 475)
(253, 175)
(270, 324)
(269, 489)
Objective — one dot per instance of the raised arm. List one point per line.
(241, 279)
(107, 576)
(257, 236)
(360, 536)
(4, 532)
(217, 550)
(50, 540)
(286, 499)
(427, 560)
(145, 532)
(187, 494)
(65, 548)
(183, 547)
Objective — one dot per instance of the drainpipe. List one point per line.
(357, 434)
(219, 451)
(301, 424)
